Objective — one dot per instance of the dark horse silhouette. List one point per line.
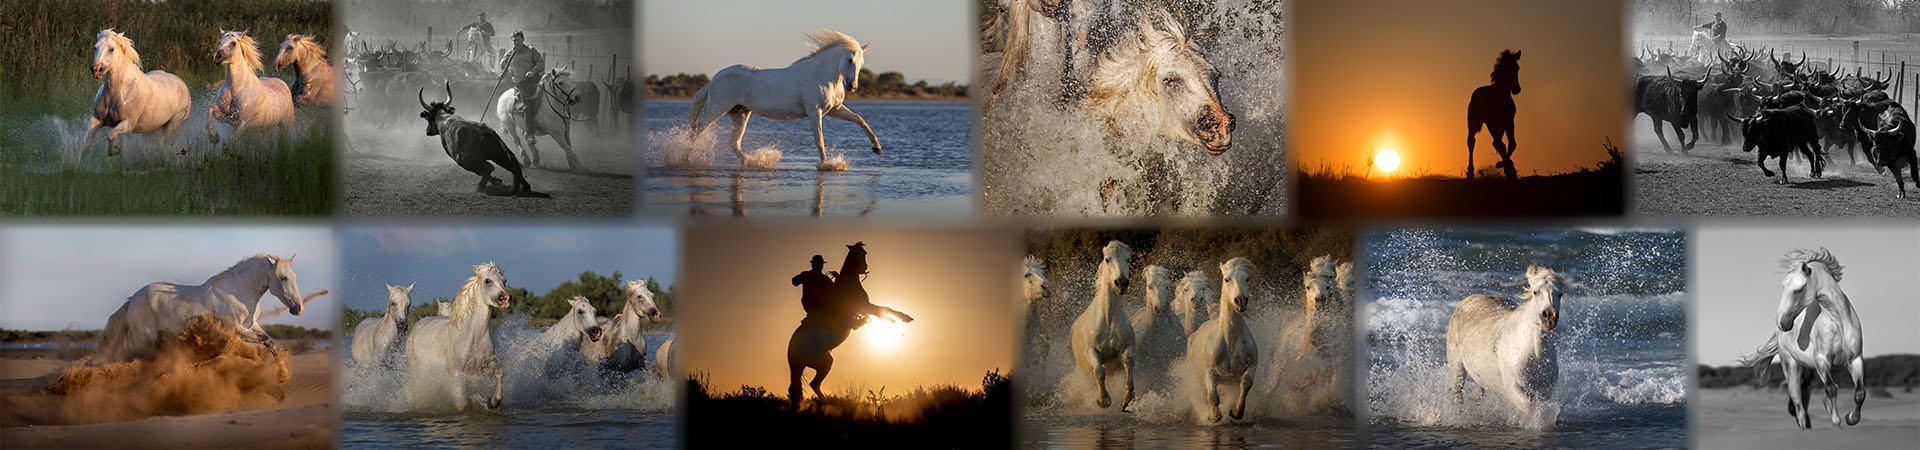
(846, 308)
(1492, 105)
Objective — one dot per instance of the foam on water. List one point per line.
(835, 163)
(536, 375)
(677, 152)
(1039, 158)
(763, 158)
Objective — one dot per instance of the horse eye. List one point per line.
(489, 282)
(1171, 81)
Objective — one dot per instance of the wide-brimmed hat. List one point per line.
(818, 259)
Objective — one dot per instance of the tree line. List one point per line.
(607, 293)
(883, 85)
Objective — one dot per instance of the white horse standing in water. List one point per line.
(130, 101)
(1223, 349)
(1102, 338)
(813, 87)
(1506, 348)
(1193, 300)
(160, 311)
(247, 101)
(460, 344)
(625, 347)
(1822, 332)
(374, 338)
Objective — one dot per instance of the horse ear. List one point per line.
(410, 287)
(863, 48)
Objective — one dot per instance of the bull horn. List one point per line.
(449, 85)
(1703, 78)
(422, 96)
(1736, 119)
(1669, 71)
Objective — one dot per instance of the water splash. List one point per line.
(677, 152)
(536, 374)
(835, 163)
(762, 158)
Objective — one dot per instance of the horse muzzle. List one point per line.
(1550, 319)
(503, 300)
(593, 334)
(1215, 129)
(98, 71)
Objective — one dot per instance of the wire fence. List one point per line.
(597, 59)
(1840, 56)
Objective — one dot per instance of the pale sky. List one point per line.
(923, 39)
(438, 259)
(75, 276)
(1737, 279)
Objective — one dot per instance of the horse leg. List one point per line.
(93, 123)
(1473, 128)
(1100, 379)
(794, 371)
(498, 385)
(113, 136)
(820, 376)
(740, 118)
(1240, 406)
(1824, 367)
(819, 133)
(1126, 364)
(1213, 396)
(1457, 373)
(1797, 394)
(1507, 155)
(565, 139)
(1506, 161)
(1854, 368)
(843, 113)
(459, 389)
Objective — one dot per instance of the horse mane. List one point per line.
(828, 39)
(470, 289)
(1236, 267)
(1153, 29)
(243, 263)
(248, 50)
(1508, 62)
(119, 42)
(305, 43)
(1794, 259)
(1035, 264)
(1322, 267)
(1536, 271)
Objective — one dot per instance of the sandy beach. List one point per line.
(1755, 418)
(306, 418)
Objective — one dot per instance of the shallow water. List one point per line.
(926, 169)
(1622, 351)
(548, 428)
(1055, 432)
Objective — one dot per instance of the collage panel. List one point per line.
(1528, 338)
(1806, 315)
(496, 337)
(836, 126)
(1133, 108)
(125, 108)
(1188, 338)
(910, 344)
(1787, 86)
(123, 336)
(553, 77)
(1378, 126)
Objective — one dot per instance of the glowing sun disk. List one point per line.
(884, 334)
(1386, 160)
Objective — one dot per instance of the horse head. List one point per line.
(1506, 71)
(560, 86)
(1190, 298)
(1543, 294)
(1813, 278)
(296, 48)
(1158, 72)
(488, 284)
(846, 54)
(1319, 283)
(1159, 287)
(1034, 279)
(581, 317)
(285, 285)
(640, 301)
(235, 47)
(110, 49)
(856, 263)
(1235, 274)
(398, 299)
(1114, 260)
(436, 112)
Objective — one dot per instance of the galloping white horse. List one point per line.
(1154, 329)
(130, 101)
(460, 344)
(575, 329)
(812, 87)
(374, 338)
(1154, 78)
(1507, 348)
(1317, 285)
(1193, 299)
(247, 101)
(552, 116)
(1223, 349)
(1103, 336)
(1821, 332)
(625, 349)
(160, 311)
(1033, 282)
(312, 77)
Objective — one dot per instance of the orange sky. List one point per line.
(739, 308)
(1373, 74)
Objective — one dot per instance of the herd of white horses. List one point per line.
(1210, 324)
(132, 101)
(459, 342)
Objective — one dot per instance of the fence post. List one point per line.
(1902, 87)
(611, 65)
(1856, 51)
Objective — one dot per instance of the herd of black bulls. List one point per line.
(1787, 107)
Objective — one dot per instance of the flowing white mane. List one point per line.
(470, 290)
(1796, 258)
(1238, 267)
(244, 265)
(120, 43)
(828, 39)
(1537, 275)
(1156, 35)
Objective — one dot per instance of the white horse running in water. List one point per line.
(247, 101)
(160, 311)
(1508, 349)
(1193, 300)
(664, 363)
(312, 77)
(577, 330)
(1033, 283)
(1155, 306)
(1318, 284)
(130, 101)
(625, 349)
(1223, 349)
(1821, 332)
(460, 344)
(1102, 338)
(374, 338)
(813, 87)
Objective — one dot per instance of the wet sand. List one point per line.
(1754, 418)
(305, 419)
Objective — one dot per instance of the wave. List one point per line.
(536, 375)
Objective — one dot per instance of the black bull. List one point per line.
(1778, 133)
(472, 145)
(1672, 100)
(1890, 142)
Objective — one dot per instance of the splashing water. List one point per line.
(677, 152)
(835, 163)
(763, 158)
(1038, 158)
(536, 375)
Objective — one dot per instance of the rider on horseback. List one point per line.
(523, 66)
(814, 286)
(1717, 32)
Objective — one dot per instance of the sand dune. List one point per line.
(306, 418)
(1755, 418)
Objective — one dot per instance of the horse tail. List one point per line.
(699, 103)
(1761, 357)
(113, 339)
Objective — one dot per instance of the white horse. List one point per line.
(664, 363)
(575, 329)
(1223, 349)
(625, 349)
(442, 308)
(1193, 300)
(1155, 302)
(1507, 348)
(813, 87)
(1152, 77)
(247, 101)
(1319, 284)
(130, 101)
(1033, 283)
(460, 344)
(1102, 338)
(312, 77)
(160, 311)
(374, 338)
(552, 116)
(1822, 333)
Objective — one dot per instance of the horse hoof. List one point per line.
(493, 403)
(1103, 402)
(876, 151)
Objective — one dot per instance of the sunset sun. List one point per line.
(1386, 160)
(884, 334)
